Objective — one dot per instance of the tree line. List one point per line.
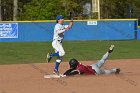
(48, 9)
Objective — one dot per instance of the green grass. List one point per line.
(35, 52)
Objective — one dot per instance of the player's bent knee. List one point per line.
(62, 54)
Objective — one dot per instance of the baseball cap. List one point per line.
(59, 17)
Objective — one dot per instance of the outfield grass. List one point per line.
(35, 52)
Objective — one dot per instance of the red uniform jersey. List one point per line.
(85, 69)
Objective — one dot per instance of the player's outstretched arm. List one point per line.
(69, 26)
(71, 72)
(71, 21)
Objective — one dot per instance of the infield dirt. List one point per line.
(28, 78)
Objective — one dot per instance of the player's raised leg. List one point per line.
(59, 51)
(99, 64)
(51, 55)
(56, 53)
(105, 56)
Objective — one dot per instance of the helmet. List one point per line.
(73, 63)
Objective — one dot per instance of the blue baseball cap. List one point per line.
(59, 17)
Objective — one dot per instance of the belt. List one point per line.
(58, 40)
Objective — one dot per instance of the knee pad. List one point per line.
(61, 54)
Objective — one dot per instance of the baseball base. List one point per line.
(54, 76)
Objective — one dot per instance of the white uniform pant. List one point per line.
(97, 66)
(57, 45)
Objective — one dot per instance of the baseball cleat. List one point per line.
(117, 71)
(56, 72)
(111, 48)
(48, 57)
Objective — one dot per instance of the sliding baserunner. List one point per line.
(77, 68)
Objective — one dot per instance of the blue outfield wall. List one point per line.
(81, 30)
(138, 33)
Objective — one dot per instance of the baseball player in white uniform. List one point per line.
(58, 37)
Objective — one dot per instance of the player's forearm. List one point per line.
(70, 24)
(71, 72)
(61, 31)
